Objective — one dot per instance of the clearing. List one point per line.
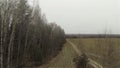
(66, 56)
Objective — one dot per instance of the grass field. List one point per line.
(104, 51)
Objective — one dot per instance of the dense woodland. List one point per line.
(92, 36)
(26, 38)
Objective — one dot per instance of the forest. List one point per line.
(26, 37)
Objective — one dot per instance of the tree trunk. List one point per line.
(1, 53)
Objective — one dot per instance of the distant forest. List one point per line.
(92, 35)
(26, 38)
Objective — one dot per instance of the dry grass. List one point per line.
(93, 46)
(104, 51)
(64, 59)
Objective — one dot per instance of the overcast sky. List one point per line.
(83, 16)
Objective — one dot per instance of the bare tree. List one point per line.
(25, 35)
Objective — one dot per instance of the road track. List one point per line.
(91, 62)
(66, 56)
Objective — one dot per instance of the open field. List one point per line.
(103, 51)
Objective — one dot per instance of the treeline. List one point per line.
(25, 36)
(92, 36)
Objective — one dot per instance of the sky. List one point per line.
(83, 16)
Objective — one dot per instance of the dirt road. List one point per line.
(65, 58)
(91, 62)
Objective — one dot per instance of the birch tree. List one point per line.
(25, 36)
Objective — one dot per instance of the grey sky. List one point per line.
(83, 16)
